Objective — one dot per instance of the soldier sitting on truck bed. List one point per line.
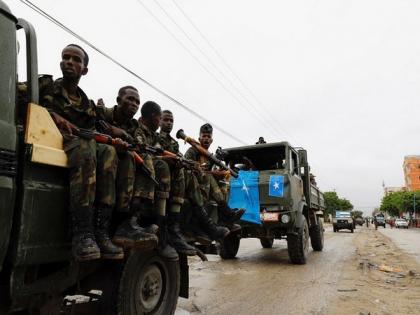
(151, 198)
(188, 187)
(208, 183)
(92, 166)
(119, 122)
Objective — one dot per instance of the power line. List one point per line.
(227, 65)
(195, 57)
(252, 107)
(68, 30)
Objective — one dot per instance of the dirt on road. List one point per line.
(378, 279)
(360, 273)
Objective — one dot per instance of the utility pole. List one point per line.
(414, 209)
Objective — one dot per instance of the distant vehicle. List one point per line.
(343, 220)
(379, 220)
(401, 223)
(359, 221)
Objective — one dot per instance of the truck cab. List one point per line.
(289, 206)
(343, 220)
(36, 266)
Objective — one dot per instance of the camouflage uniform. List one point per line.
(126, 164)
(92, 166)
(208, 184)
(177, 173)
(144, 186)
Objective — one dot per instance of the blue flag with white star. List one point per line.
(244, 194)
(276, 186)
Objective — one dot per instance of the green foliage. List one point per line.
(398, 202)
(357, 214)
(333, 203)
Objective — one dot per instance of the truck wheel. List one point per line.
(149, 285)
(267, 242)
(352, 230)
(228, 248)
(298, 245)
(334, 229)
(316, 233)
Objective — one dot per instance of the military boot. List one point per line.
(102, 223)
(84, 246)
(130, 235)
(230, 215)
(214, 231)
(176, 239)
(164, 249)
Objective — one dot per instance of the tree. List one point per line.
(399, 202)
(357, 214)
(334, 203)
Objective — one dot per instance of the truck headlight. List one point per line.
(285, 218)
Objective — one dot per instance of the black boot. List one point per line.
(214, 231)
(130, 235)
(102, 224)
(164, 249)
(228, 214)
(84, 246)
(176, 239)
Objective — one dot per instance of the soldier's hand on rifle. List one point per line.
(121, 144)
(63, 124)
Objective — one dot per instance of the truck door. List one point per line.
(8, 132)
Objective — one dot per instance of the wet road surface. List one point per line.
(406, 239)
(263, 281)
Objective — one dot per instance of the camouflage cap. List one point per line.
(206, 128)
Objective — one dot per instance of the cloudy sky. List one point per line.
(340, 78)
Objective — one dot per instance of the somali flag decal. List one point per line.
(244, 194)
(276, 186)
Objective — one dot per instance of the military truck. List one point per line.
(379, 220)
(343, 220)
(295, 215)
(36, 266)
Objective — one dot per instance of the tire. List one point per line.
(149, 285)
(228, 248)
(317, 236)
(352, 230)
(334, 229)
(267, 242)
(298, 245)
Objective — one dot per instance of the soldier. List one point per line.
(92, 166)
(186, 181)
(151, 198)
(208, 183)
(119, 122)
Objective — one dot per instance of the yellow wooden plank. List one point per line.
(41, 129)
(47, 155)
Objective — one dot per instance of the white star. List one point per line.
(244, 187)
(276, 185)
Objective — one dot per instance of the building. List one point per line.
(411, 168)
(389, 190)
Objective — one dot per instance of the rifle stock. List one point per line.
(106, 139)
(194, 143)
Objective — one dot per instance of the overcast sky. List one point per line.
(339, 78)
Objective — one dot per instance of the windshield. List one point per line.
(342, 214)
(258, 158)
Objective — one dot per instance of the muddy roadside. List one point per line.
(379, 279)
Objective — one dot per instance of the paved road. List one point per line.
(407, 240)
(262, 281)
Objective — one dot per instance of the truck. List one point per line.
(37, 269)
(343, 220)
(379, 220)
(295, 215)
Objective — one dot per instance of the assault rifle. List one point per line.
(194, 143)
(106, 139)
(186, 163)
